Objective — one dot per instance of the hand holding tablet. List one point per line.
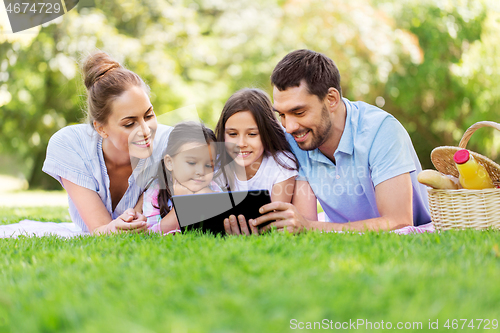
(207, 212)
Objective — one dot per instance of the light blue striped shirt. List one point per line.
(75, 153)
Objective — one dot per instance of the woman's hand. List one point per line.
(129, 221)
(95, 215)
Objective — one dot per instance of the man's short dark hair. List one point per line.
(317, 70)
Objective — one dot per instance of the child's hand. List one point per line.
(239, 227)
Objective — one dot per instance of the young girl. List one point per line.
(257, 143)
(187, 168)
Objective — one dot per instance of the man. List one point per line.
(355, 158)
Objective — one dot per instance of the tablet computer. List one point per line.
(206, 212)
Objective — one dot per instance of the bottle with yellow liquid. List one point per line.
(473, 175)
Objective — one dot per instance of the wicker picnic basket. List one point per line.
(461, 209)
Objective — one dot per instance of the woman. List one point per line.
(102, 164)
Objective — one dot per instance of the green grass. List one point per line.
(46, 214)
(199, 283)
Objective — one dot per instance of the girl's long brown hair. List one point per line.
(271, 133)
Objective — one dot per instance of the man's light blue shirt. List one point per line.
(374, 147)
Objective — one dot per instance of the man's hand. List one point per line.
(283, 216)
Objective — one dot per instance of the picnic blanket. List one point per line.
(67, 229)
(429, 227)
(39, 229)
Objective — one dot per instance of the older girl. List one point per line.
(256, 141)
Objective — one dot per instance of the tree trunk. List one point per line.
(39, 179)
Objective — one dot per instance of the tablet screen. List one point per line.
(207, 211)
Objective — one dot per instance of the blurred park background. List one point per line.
(434, 64)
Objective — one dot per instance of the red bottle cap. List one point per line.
(461, 156)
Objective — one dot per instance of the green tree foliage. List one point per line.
(479, 72)
(422, 61)
(43, 98)
(425, 94)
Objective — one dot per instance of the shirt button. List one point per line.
(338, 177)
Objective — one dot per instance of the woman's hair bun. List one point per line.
(106, 80)
(96, 66)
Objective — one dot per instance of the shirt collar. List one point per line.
(318, 156)
(346, 141)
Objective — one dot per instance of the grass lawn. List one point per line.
(199, 283)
